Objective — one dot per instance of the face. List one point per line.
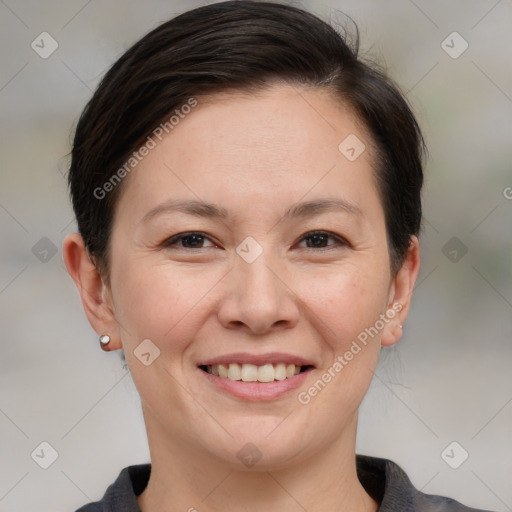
(285, 264)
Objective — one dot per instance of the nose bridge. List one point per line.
(257, 295)
(255, 281)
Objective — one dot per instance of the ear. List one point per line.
(95, 294)
(400, 294)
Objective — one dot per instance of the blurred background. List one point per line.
(441, 402)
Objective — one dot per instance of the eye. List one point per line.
(190, 240)
(318, 240)
(197, 240)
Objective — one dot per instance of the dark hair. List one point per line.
(245, 46)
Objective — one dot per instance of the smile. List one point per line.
(252, 373)
(255, 377)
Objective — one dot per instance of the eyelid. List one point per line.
(343, 242)
(171, 242)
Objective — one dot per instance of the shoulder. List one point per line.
(388, 484)
(122, 494)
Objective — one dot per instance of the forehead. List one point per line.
(243, 149)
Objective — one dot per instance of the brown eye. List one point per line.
(191, 240)
(319, 240)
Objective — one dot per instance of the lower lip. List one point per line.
(256, 391)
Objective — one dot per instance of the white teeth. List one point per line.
(223, 371)
(280, 371)
(252, 373)
(249, 373)
(234, 372)
(266, 373)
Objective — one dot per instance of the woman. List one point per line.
(247, 195)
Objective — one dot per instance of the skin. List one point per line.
(256, 156)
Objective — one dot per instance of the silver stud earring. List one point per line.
(401, 326)
(104, 340)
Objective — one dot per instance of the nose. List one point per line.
(257, 298)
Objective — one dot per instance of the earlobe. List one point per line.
(93, 291)
(401, 290)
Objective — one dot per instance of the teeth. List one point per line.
(280, 371)
(223, 371)
(266, 373)
(253, 373)
(234, 372)
(249, 372)
(290, 371)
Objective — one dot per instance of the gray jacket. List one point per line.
(382, 479)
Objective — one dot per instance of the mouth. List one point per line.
(247, 372)
(250, 377)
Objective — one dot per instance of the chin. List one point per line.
(263, 443)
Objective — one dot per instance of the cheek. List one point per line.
(347, 301)
(346, 308)
(161, 303)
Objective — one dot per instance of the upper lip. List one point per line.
(257, 359)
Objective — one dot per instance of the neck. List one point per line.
(182, 478)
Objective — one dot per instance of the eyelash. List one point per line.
(172, 241)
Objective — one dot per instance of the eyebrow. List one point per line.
(209, 210)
